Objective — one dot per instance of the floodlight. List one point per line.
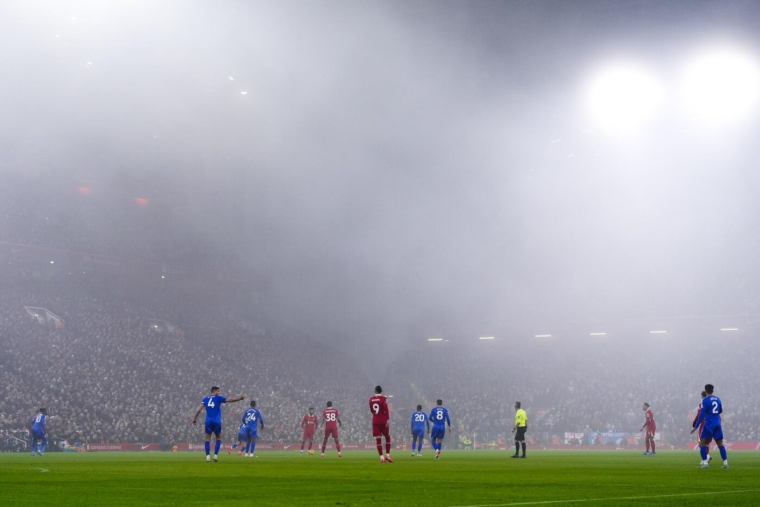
(624, 97)
(720, 86)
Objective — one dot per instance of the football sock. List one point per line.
(419, 445)
(652, 446)
(303, 444)
(723, 453)
(647, 445)
(252, 447)
(388, 444)
(207, 445)
(310, 444)
(379, 442)
(217, 445)
(517, 448)
(523, 448)
(703, 452)
(324, 446)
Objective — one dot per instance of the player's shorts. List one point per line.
(715, 431)
(380, 430)
(438, 432)
(213, 427)
(520, 433)
(418, 433)
(308, 436)
(38, 434)
(651, 430)
(242, 435)
(252, 432)
(331, 432)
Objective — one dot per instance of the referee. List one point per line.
(521, 426)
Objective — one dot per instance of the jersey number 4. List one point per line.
(211, 404)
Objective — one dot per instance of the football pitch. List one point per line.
(459, 478)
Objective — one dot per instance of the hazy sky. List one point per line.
(400, 169)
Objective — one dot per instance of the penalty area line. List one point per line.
(581, 500)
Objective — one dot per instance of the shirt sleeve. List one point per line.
(448, 421)
(700, 416)
(221, 399)
(261, 418)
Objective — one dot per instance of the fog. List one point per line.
(368, 175)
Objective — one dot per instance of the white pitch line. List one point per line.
(579, 500)
(43, 470)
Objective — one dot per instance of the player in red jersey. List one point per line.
(381, 425)
(650, 427)
(331, 418)
(309, 423)
(701, 425)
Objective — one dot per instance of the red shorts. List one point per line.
(308, 436)
(331, 431)
(650, 430)
(380, 430)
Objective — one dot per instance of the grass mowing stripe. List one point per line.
(579, 500)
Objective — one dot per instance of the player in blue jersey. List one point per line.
(710, 411)
(418, 422)
(213, 406)
(37, 432)
(252, 417)
(242, 440)
(440, 417)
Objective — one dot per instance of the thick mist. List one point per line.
(396, 171)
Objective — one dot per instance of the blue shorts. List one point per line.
(715, 431)
(418, 433)
(252, 432)
(213, 427)
(242, 435)
(38, 434)
(438, 432)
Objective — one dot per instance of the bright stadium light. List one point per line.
(486, 338)
(624, 97)
(543, 336)
(720, 86)
(435, 339)
(598, 334)
(729, 329)
(658, 332)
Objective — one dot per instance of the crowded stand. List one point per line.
(109, 375)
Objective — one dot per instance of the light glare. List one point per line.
(720, 86)
(624, 97)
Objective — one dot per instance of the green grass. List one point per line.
(459, 478)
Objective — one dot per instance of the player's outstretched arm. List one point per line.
(238, 398)
(197, 412)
